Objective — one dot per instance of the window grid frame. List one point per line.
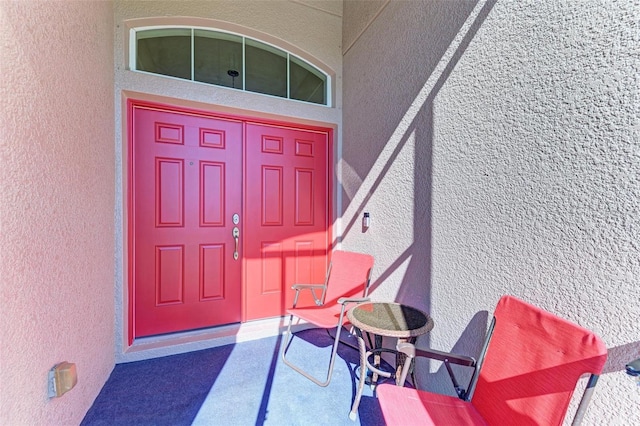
(133, 46)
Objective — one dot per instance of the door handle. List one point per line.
(236, 236)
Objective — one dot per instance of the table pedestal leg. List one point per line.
(376, 360)
(401, 358)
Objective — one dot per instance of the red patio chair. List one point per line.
(347, 282)
(526, 375)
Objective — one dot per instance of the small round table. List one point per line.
(384, 319)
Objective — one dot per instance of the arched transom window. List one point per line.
(227, 59)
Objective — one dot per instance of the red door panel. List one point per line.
(190, 173)
(287, 204)
(187, 182)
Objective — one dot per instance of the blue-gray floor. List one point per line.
(241, 384)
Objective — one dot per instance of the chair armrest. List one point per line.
(309, 286)
(633, 368)
(345, 300)
(318, 300)
(447, 358)
(411, 351)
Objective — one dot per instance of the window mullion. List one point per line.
(288, 76)
(244, 65)
(193, 58)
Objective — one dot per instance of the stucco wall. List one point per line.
(310, 29)
(497, 148)
(57, 203)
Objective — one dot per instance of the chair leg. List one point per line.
(287, 340)
(288, 337)
(363, 374)
(584, 401)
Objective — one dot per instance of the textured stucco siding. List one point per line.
(57, 204)
(309, 29)
(497, 147)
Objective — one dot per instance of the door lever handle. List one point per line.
(236, 236)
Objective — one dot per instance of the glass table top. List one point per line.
(390, 319)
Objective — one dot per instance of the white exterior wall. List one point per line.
(56, 203)
(497, 149)
(309, 29)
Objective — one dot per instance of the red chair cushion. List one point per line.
(531, 368)
(407, 406)
(325, 316)
(348, 278)
(533, 363)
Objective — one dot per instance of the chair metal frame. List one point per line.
(344, 302)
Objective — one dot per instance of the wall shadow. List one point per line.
(619, 356)
(451, 26)
(469, 343)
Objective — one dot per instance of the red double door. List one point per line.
(225, 215)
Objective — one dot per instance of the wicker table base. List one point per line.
(384, 320)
